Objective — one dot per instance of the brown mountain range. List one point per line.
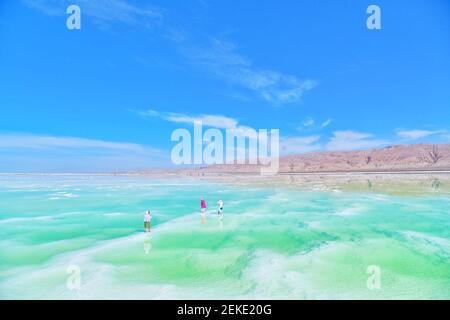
(418, 157)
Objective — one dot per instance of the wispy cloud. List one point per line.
(416, 134)
(298, 145)
(326, 123)
(146, 113)
(288, 144)
(222, 59)
(104, 12)
(208, 120)
(72, 154)
(352, 140)
(309, 124)
(29, 141)
(217, 121)
(344, 140)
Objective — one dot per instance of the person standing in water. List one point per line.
(203, 210)
(220, 209)
(147, 219)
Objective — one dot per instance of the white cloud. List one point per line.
(28, 141)
(208, 120)
(221, 58)
(146, 113)
(216, 121)
(326, 123)
(44, 153)
(288, 145)
(297, 145)
(103, 11)
(308, 122)
(352, 140)
(415, 134)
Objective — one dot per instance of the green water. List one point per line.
(275, 241)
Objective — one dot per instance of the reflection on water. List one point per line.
(393, 184)
(436, 183)
(220, 219)
(147, 243)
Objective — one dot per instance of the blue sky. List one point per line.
(108, 96)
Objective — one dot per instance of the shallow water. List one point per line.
(297, 241)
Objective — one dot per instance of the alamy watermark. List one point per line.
(373, 22)
(241, 145)
(374, 279)
(74, 280)
(73, 21)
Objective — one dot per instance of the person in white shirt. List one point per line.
(147, 219)
(220, 209)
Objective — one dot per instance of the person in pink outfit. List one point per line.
(203, 209)
(147, 219)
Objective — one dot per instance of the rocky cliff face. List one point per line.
(401, 157)
(391, 158)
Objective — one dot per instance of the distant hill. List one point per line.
(391, 158)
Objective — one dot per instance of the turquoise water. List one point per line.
(274, 241)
